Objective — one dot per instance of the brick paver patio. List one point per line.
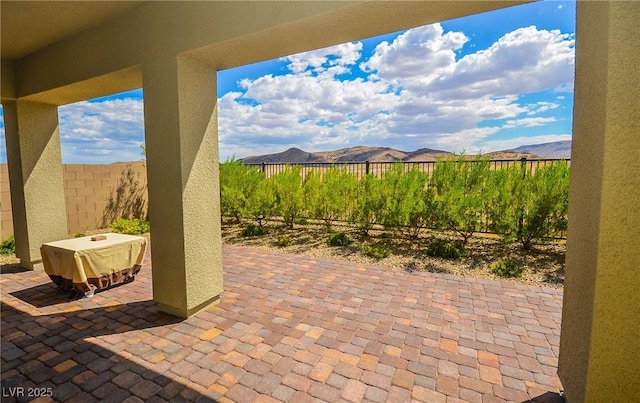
(288, 328)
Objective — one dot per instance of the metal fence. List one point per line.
(378, 168)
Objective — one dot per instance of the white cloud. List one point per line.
(102, 132)
(526, 60)
(528, 122)
(542, 106)
(417, 55)
(317, 60)
(414, 93)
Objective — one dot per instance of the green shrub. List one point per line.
(284, 240)
(131, 226)
(289, 194)
(253, 230)
(446, 249)
(369, 203)
(339, 239)
(238, 186)
(330, 194)
(526, 206)
(261, 203)
(506, 268)
(406, 199)
(79, 235)
(460, 186)
(375, 251)
(8, 246)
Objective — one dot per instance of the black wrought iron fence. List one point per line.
(379, 167)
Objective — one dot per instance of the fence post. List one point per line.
(366, 167)
(264, 168)
(523, 165)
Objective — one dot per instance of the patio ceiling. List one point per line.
(28, 26)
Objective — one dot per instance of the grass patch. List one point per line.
(446, 249)
(8, 246)
(253, 230)
(130, 226)
(375, 251)
(339, 239)
(506, 268)
(284, 241)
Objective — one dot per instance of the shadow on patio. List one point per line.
(288, 328)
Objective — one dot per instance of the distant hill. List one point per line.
(351, 154)
(291, 155)
(373, 154)
(556, 149)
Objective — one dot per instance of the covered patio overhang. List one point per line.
(54, 53)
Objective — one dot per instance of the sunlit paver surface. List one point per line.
(288, 328)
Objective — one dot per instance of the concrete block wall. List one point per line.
(90, 191)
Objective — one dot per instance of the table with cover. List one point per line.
(87, 266)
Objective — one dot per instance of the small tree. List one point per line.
(459, 184)
(329, 195)
(407, 201)
(289, 194)
(262, 202)
(369, 203)
(527, 206)
(238, 184)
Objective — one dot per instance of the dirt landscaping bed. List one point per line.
(544, 265)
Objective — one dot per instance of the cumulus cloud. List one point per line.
(317, 60)
(417, 55)
(102, 132)
(415, 92)
(528, 122)
(526, 60)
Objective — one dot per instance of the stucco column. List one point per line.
(600, 338)
(35, 177)
(181, 134)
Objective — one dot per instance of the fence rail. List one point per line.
(378, 168)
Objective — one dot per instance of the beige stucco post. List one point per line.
(35, 177)
(181, 134)
(600, 339)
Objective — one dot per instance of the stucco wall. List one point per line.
(94, 194)
(6, 222)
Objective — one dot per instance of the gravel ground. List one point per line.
(544, 265)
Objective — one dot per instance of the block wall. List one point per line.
(94, 194)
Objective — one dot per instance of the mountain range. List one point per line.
(558, 149)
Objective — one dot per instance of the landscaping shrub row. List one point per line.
(462, 195)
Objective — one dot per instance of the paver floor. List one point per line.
(287, 328)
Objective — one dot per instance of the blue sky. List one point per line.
(484, 83)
